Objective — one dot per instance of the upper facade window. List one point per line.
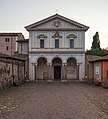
(42, 40)
(56, 36)
(71, 43)
(41, 43)
(56, 43)
(7, 39)
(71, 38)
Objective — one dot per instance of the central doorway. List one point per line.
(57, 72)
(57, 68)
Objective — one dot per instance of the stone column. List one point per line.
(63, 71)
(50, 71)
(36, 72)
(78, 71)
(33, 72)
(65, 66)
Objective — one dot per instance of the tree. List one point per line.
(96, 49)
(96, 41)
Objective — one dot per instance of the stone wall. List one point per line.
(12, 71)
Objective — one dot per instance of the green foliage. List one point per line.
(97, 52)
(96, 49)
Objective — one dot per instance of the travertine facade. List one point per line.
(56, 49)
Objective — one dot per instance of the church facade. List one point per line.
(56, 49)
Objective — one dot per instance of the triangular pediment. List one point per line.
(56, 22)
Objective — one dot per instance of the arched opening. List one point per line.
(42, 69)
(71, 68)
(56, 64)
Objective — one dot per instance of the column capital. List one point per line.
(79, 63)
(64, 63)
(49, 63)
(33, 64)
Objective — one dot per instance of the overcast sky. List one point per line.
(16, 14)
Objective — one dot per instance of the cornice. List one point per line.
(57, 52)
(41, 36)
(54, 29)
(71, 36)
(37, 48)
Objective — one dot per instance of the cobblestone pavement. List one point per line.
(58, 100)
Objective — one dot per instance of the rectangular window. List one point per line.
(97, 69)
(71, 43)
(56, 43)
(6, 39)
(41, 43)
(7, 47)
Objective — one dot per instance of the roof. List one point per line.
(22, 56)
(23, 40)
(11, 57)
(81, 26)
(104, 58)
(92, 57)
(10, 34)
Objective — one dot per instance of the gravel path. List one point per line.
(57, 100)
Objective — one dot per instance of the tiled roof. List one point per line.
(23, 40)
(91, 57)
(21, 56)
(104, 58)
(11, 57)
(10, 34)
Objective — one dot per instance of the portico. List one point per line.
(56, 68)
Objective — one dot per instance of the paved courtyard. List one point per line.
(58, 100)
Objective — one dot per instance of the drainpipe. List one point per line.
(18, 73)
(13, 73)
(21, 48)
(78, 72)
(12, 64)
(25, 73)
(11, 45)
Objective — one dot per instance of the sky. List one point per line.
(16, 14)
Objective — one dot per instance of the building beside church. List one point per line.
(56, 49)
(97, 69)
(8, 44)
(22, 46)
